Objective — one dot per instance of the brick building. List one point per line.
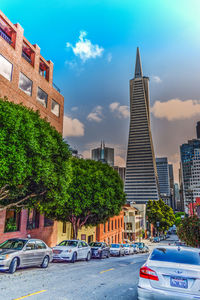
(27, 78)
(112, 231)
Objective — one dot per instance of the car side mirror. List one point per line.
(28, 248)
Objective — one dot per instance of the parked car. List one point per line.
(128, 249)
(72, 250)
(117, 250)
(135, 248)
(170, 273)
(140, 246)
(17, 253)
(145, 249)
(99, 250)
(156, 239)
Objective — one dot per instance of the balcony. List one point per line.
(5, 36)
(56, 88)
(44, 70)
(26, 57)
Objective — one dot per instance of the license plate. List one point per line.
(179, 282)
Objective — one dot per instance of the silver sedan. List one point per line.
(18, 253)
(170, 273)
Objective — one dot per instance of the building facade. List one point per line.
(141, 183)
(198, 130)
(172, 188)
(121, 171)
(27, 78)
(163, 179)
(104, 154)
(112, 231)
(189, 170)
(133, 229)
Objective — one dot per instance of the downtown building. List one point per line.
(190, 172)
(141, 182)
(103, 154)
(164, 179)
(26, 77)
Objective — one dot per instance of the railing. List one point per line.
(5, 36)
(26, 57)
(55, 87)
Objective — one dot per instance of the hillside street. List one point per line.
(113, 278)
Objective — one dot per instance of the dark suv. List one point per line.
(100, 250)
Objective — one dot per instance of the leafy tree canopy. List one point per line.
(158, 211)
(34, 160)
(95, 195)
(189, 231)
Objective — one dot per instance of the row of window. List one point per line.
(111, 224)
(26, 85)
(13, 219)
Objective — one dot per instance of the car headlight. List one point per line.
(68, 251)
(4, 256)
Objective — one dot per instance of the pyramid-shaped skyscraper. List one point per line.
(141, 183)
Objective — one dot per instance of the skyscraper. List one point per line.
(163, 179)
(198, 130)
(172, 188)
(103, 154)
(188, 155)
(141, 183)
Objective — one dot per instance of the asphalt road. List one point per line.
(114, 278)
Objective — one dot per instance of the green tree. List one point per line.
(178, 217)
(34, 160)
(189, 231)
(158, 211)
(95, 195)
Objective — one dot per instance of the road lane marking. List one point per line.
(29, 295)
(106, 271)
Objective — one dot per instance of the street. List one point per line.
(113, 278)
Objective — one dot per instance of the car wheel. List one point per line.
(45, 262)
(13, 266)
(101, 255)
(74, 257)
(88, 256)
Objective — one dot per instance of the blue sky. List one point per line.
(93, 68)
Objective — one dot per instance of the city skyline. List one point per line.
(101, 51)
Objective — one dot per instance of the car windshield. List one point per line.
(126, 245)
(114, 246)
(176, 255)
(69, 243)
(14, 244)
(93, 244)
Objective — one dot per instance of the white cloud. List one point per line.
(84, 48)
(176, 109)
(96, 114)
(122, 111)
(74, 108)
(156, 79)
(72, 127)
(109, 57)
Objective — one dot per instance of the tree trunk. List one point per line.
(74, 230)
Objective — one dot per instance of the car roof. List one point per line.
(178, 248)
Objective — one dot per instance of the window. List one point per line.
(121, 222)
(118, 223)
(90, 239)
(109, 225)
(40, 245)
(30, 245)
(112, 225)
(12, 221)
(128, 226)
(33, 219)
(48, 222)
(55, 108)
(83, 237)
(104, 227)
(27, 53)
(84, 244)
(115, 224)
(42, 97)
(25, 84)
(64, 227)
(7, 33)
(5, 68)
(44, 70)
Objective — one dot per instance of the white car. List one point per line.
(170, 273)
(72, 250)
(128, 249)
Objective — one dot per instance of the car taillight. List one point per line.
(148, 273)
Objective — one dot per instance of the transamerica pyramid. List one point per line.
(141, 182)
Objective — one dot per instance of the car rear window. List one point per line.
(114, 246)
(177, 255)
